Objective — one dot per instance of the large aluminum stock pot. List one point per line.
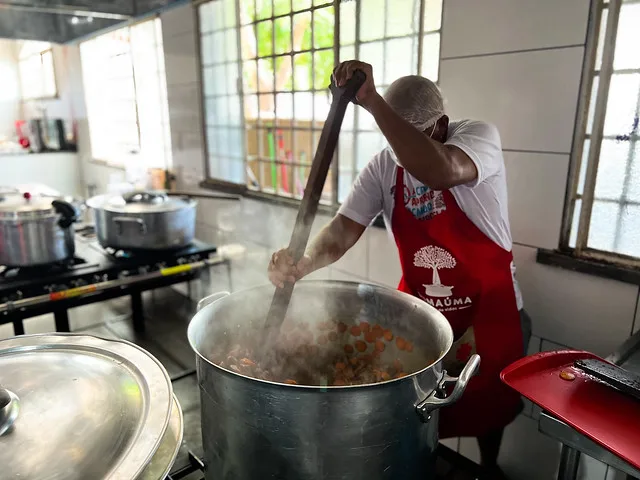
(256, 429)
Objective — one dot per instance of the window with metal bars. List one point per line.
(266, 66)
(37, 73)
(602, 217)
(126, 96)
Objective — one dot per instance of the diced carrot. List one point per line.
(342, 327)
(290, 381)
(247, 362)
(338, 382)
(360, 345)
(388, 335)
(367, 358)
(355, 331)
(400, 375)
(333, 336)
(340, 366)
(397, 365)
(365, 326)
(379, 346)
(370, 337)
(401, 343)
(379, 331)
(409, 347)
(353, 361)
(385, 376)
(348, 348)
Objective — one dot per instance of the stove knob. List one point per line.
(18, 294)
(161, 265)
(78, 283)
(124, 274)
(144, 269)
(182, 261)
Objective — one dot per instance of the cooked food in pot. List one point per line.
(327, 354)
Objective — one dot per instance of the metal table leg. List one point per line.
(137, 312)
(61, 317)
(569, 463)
(18, 327)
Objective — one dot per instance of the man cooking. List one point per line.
(441, 188)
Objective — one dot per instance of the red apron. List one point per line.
(449, 263)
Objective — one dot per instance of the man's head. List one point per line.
(418, 100)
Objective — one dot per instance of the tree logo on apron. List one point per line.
(437, 258)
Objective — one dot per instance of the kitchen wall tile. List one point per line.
(470, 28)
(177, 20)
(536, 184)
(384, 263)
(522, 449)
(531, 97)
(452, 443)
(583, 311)
(469, 448)
(180, 58)
(184, 102)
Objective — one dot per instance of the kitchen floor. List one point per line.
(167, 314)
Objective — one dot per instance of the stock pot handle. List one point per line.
(434, 402)
(9, 407)
(119, 221)
(210, 299)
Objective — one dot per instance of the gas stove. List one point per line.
(95, 274)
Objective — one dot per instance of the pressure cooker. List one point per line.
(35, 229)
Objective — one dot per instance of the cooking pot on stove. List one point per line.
(80, 407)
(254, 429)
(150, 220)
(35, 229)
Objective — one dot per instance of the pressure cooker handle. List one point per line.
(211, 299)
(434, 401)
(144, 197)
(9, 407)
(68, 213)
(120, 221)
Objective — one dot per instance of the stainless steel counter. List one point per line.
(574, 443)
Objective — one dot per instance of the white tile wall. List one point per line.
(473, 28)
(531, 96)
(536, 184)
(180, 54)
(573, 309)
(178, 20)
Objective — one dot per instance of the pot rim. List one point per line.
(100, 203)
(322, 388)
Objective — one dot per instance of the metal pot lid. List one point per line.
(24, 205)
(140, 202)
(87, 407)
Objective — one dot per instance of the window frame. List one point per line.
(40, 54)
(581, 250)
(334, 204)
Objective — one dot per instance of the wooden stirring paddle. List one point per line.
(312, 192)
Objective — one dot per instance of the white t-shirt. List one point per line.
(484, 201)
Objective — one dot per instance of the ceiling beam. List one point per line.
(64, 10)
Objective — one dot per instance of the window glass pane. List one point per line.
(247, 11)
(431, 56)
(302, 71)
(281, 7)
(322, 103)
(283, 35)
(373, 54)
(323, 25)
(231, 45)
(369, 143)
(250, 76)
(265, 75)
(402, 17)
(322, 69)
(284, 74)
(48, 77)
(301, 4)
(229, 8)
(602, 229)
(575, 223)
(592, 104)
(205, 17)
(583, 166)
(284, 102)
(372, 20)
(206, 49)
(302, 31)
(263, 9)
(265, 38)
(621, 104)
(628, 38)
(611, 169)
(601, 36)
(628, 243)
(633, 192)
(345, 146)
(401, 58)
(347, 23)
(303, 103)
(432, 15)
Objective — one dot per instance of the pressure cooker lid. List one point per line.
(25, 205)
(79, 407)
(140, 202)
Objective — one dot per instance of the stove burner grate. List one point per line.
(12, 273)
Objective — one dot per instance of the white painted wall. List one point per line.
(57, 170)
(10, 109)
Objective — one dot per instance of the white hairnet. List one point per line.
(417, 100)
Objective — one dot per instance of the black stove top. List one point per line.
(92, 264)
